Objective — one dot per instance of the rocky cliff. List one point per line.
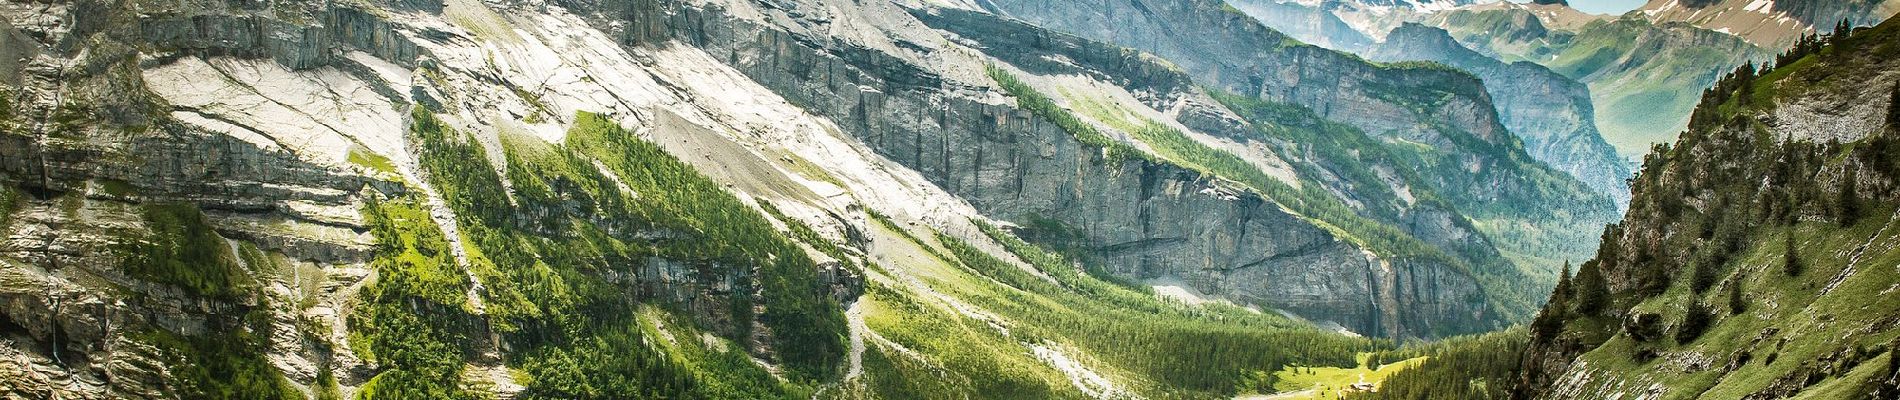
(1771, 24)
(1635, 67)
(1445, 110)
(1758, 251)
(1550, 112)
(1310, 24)
(459, 199)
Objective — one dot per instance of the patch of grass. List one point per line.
(9, 202)
(219, 366)
(1028, 98)
(372, 161)
(1333, 382)
(411, 322)
(182, 250)
(803, 167)
(984, 362)
(115, 187)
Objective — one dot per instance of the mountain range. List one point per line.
(461, 199)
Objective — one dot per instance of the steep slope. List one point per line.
(1308, 24)
(716, 199)
(1376, 18)
(1757, 258)
(1440, 123)
(1637, 70)
(1550, 112)
(1774, 24)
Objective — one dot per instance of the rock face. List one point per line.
(1772, 24)
(1306, 23)
(339, 180)
(1444, 109)
(1633, 66)
(1147, 220)
(1550, 112)
(1747, 212)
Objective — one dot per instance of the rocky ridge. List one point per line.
(290, 133)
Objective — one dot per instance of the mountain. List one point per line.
(1306, 23)
(1550, 112)
(1378, 17)
(1755, 261)
(1639, 71)
(739, 199)
(1431, 118)
(1773, 24)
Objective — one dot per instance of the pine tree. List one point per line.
(1695, 320)
(1703, 274)
(1564, 288)
(1790, 262)
(1842, 32)
(1550, 321)
(1736, 305)
(1849, 201)
(1746, 79)
(1893, 109)
(1593, 293)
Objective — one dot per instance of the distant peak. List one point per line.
(1552, 2)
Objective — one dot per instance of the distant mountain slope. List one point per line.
(1551, 112)
(1773, 24)
(1439, 122)
(1638, 71)
(1309, 24)
(1757, 260)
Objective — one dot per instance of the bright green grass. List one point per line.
(372, 161)
(1814, 325)
(1328, 382)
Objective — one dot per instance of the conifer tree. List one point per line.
(1790, 262)
(1703, 274)
(1593, 293)
(1550, 321)
(1736, 305)
(1893, 109)
(1695, 320)
(1564, 286)
(1842, 32)
(1849, 201)
(1745, 78)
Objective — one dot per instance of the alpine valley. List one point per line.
(948, 199)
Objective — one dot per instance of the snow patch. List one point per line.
(1761, 6)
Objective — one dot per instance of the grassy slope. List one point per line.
(1788, 320)
(1797, 322)
(951, 321)
(1328, 383)
(1637, 84)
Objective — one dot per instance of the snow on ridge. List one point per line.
(1761, 6)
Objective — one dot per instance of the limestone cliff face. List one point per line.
(1443, 108)
(1235, 53)
(1550, 112)
(282, 123)
(273, 135)
(1776, 24)
(1147, 220)
(1310, 24)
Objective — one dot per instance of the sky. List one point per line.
(1612, 7)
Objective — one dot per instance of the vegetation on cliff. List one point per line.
(1793, 230)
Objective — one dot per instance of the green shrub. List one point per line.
(219, 365)
(182, 250)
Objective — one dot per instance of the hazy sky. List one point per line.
(1612, 7)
